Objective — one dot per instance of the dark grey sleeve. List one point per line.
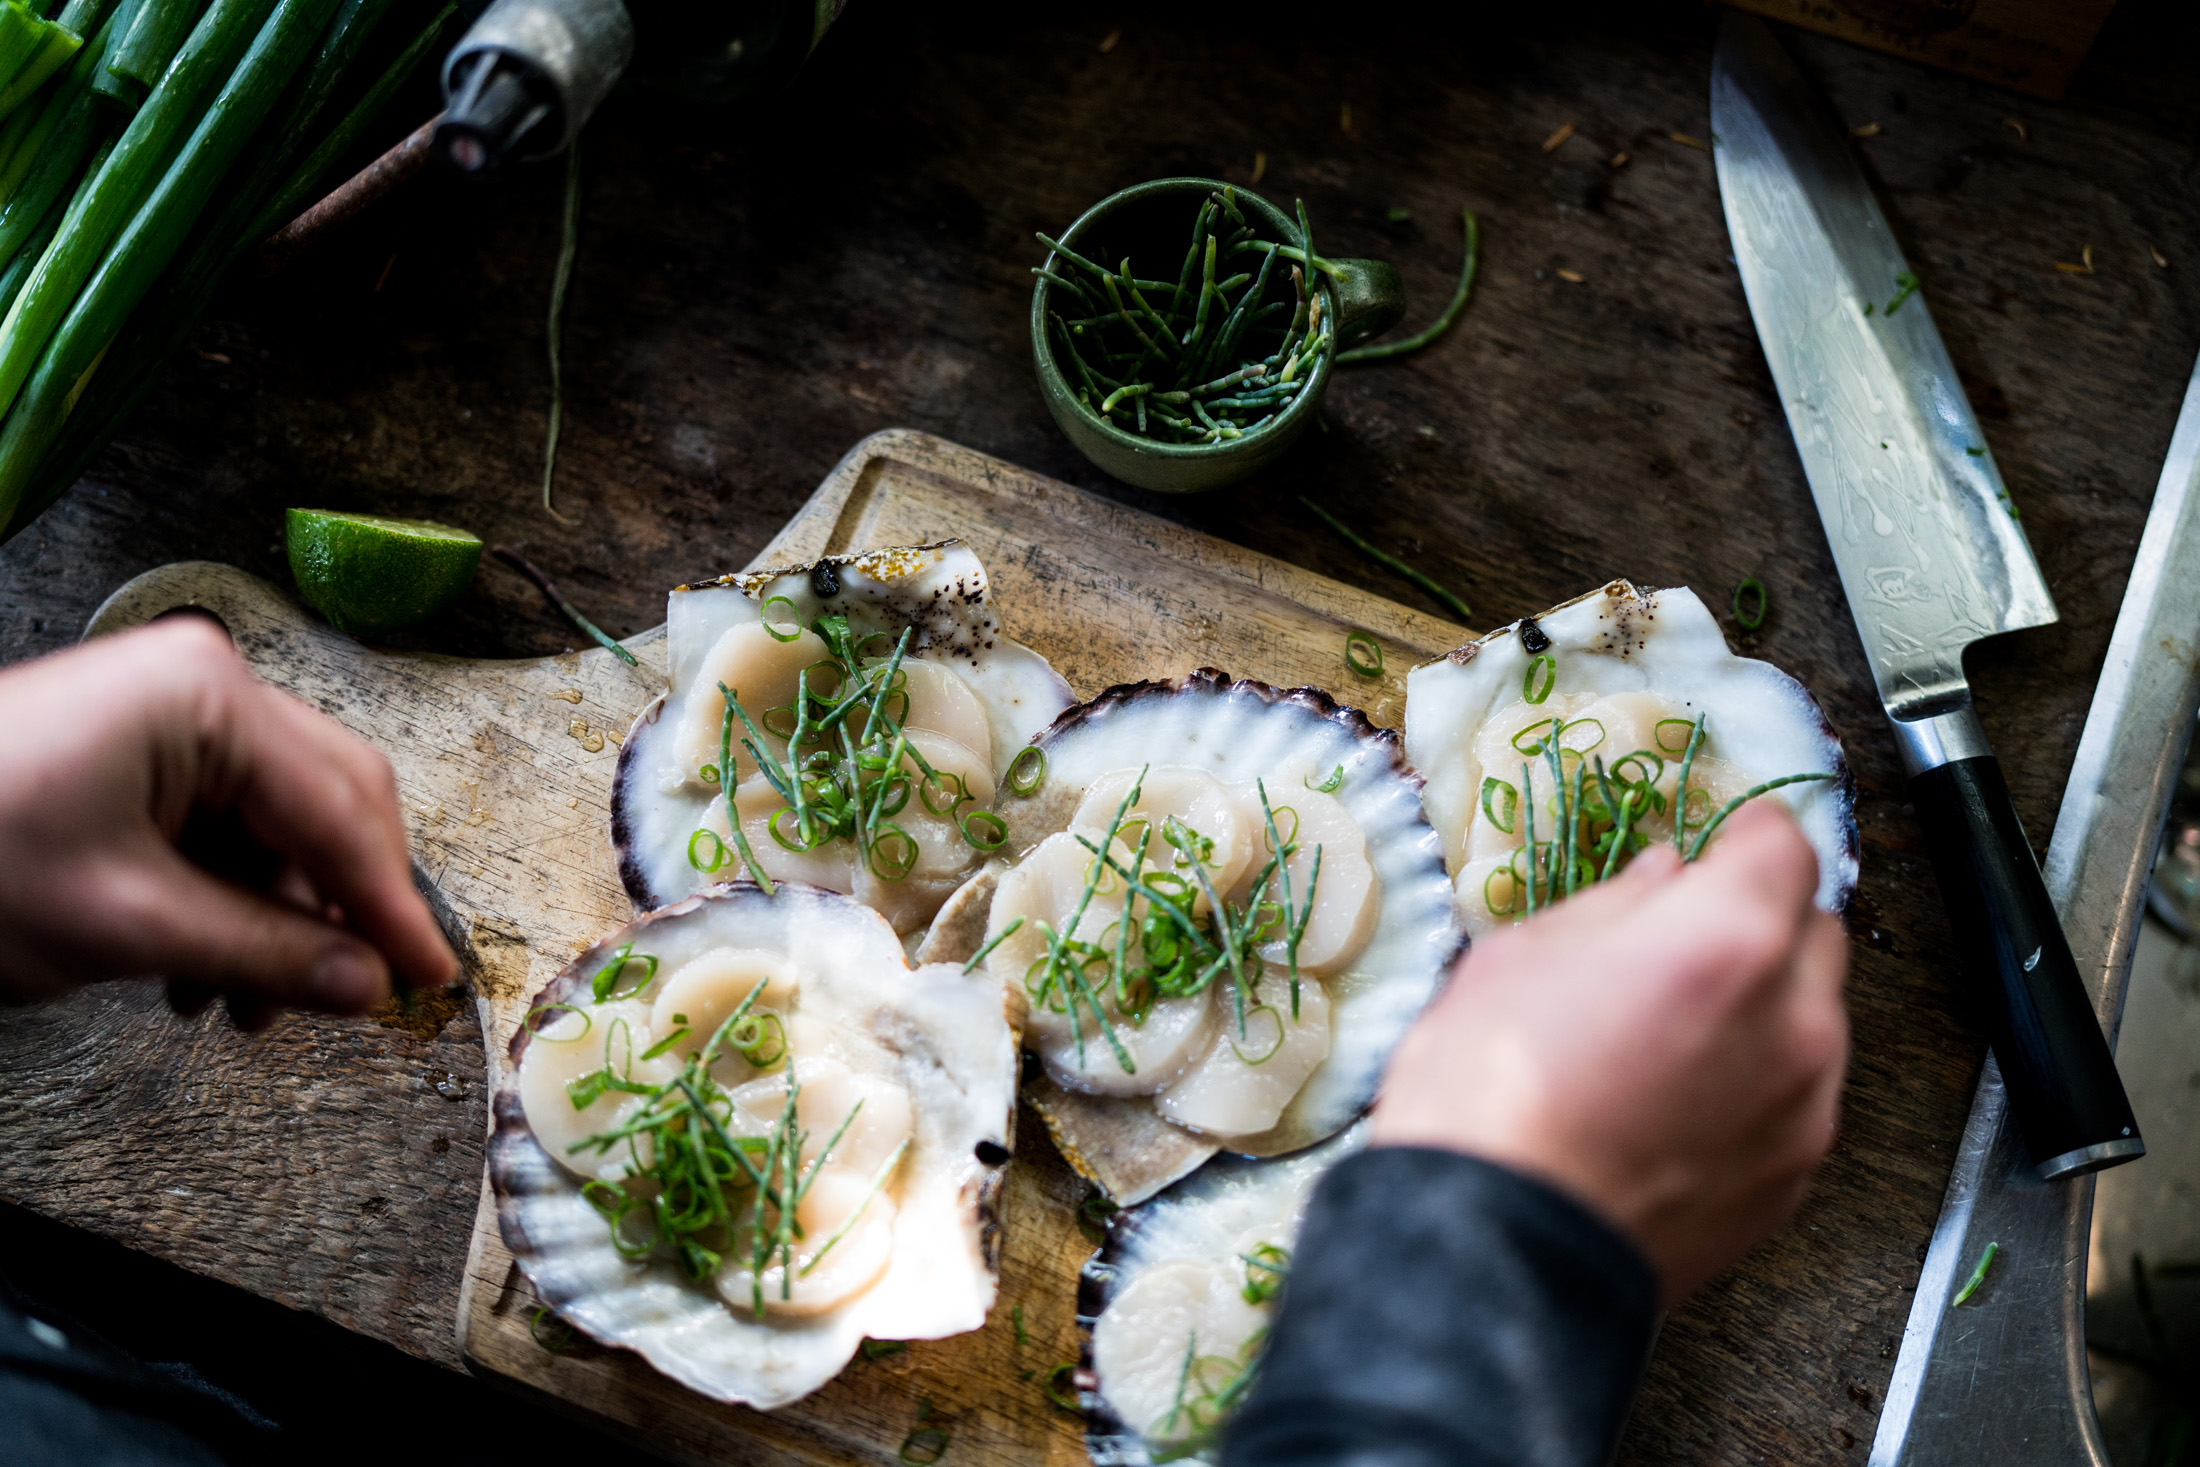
(1446, 1312)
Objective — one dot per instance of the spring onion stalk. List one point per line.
(156, 34)
(18, 269)
(110, 201)
(166, 318)
(82, 17)
(116, 88)
(72, 123)
(55, 47)
(151, 239)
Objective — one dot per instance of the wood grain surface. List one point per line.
(755, 294)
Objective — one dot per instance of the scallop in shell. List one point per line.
(1179, 1298)
(1189, 1028)
(886, 783)
(1623, 676)
(854, 1117)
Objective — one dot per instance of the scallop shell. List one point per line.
(1206, 1217)
(952, 1041)
(939, 591)
(1239, 731)
(1622, 638)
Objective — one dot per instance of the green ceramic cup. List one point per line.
(1150, 223)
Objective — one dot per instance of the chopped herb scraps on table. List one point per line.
(1978, 1275)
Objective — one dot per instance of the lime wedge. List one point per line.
(368, 574)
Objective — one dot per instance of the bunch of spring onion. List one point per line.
(1178, 950)
(171, 136)
(1597, 811)
(847, 772)
(1202, 360)
(694, 1189)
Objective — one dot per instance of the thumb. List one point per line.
(196, 929)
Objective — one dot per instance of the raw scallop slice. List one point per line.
(974, 697)
(1203, 741)
(915, 1069)
(1622, 662)
(1172, 1281)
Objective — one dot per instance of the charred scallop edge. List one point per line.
(1214, 682)
(1619, 589)
(747, 582)
(511, 1129)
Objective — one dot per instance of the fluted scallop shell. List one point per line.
(1207, 1218)
(1622, 638)
(956, 1056)
(1237, 731)
(940, 591)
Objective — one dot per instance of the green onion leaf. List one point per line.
(1329, 786)
(1750, 604)
(764, 614)
(1978, 1275)
(556, 1336)
(719, 854)
(1061, 1387)
(531, 1026)
(1491, 786)
(1369, 659)
(1545, 666)
(607, 977)
(1028, 770)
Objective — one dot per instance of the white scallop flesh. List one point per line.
(1241, 1085)
(974, 698)
(576, 1043)
(1380, 937)
(904, 1076)
(1172, 1277)
(1201, 802)
(1199, 1307)
(1623, 662)
(1046, 886)
(1347, 894)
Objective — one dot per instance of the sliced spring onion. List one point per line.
(1328, 786)
(765, 612)
(1263, 1056)
(1684, 730)
(1544, 666)
(1028, 770)
(1978, 1275)
(535, 1027)
(1369, 661)
(719, 854)
(556, 1336)
(1061, 1387)
(1092, 1216)
(1751, 616)
(1742, 799)
(607, 978)
(1491, 786)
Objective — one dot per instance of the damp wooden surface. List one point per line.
(753, 297)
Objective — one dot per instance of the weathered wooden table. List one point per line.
(754, 295)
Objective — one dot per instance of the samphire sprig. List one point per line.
(1597, 811)
(705, 1195)
(846, 772)
(1202, 360)
(1166, 945)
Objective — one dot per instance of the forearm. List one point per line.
(1446, 1312)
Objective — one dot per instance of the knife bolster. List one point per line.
(1939, 738)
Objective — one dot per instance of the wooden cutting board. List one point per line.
(505, 770)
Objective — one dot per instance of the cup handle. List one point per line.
(1371, 298)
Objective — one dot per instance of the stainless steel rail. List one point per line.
(2003, 1378)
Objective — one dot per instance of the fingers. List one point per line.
(205, 934)
(327, 801)
(1762, 852)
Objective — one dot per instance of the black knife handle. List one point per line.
(2062, 1082)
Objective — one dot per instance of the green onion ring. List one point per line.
(535, 1029)
(1370, 663)
(1657, 734)
(1512, 892)
(1505, 822)
(999, 836)
(881, 833)
(1028, 770)
(1546, 665)
(1057, 1394)
(1329, 786)
(1750, 620)
(1535, 748)
(764, 614)
(1270, 1052)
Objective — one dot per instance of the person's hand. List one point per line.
(163, 811)
(1667, 1049)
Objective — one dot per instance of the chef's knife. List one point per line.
(1931, 556)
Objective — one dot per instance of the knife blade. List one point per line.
(1932, 557)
